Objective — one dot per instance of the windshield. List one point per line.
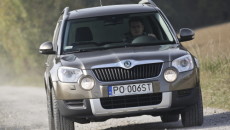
(116, 31)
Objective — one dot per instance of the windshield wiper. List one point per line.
(76, 51)
(83, 43)
(93, 49)
(110, 42)
(150, 44)
(95, 43)
(103, 46)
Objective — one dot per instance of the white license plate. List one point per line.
(130, 89)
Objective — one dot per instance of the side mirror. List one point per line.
(46, 48)
(186, 34)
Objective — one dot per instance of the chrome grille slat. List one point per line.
(137, 72)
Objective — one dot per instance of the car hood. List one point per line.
(87, 60)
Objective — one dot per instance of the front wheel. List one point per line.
(50, 111)
(60, 122)
(193, 116)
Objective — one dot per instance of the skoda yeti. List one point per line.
(97, 68)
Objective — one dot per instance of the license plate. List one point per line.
(130, 89)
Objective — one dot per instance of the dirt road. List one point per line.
(24, 108)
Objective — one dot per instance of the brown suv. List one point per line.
(119, 61)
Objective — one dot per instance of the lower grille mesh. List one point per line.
(131, 101)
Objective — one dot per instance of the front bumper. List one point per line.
(91, 109)
(76, 103)
(72, 91)
(98, 110)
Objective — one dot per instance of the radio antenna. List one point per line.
(101, 3)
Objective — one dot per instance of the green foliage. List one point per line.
(24, 26)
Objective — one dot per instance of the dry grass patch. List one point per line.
(212, 47)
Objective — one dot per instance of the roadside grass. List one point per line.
(212, 47)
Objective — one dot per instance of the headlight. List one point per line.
(184, 63)
(170, 75)
(87, 83)
(68, 74)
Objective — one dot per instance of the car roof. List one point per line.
(111, 10)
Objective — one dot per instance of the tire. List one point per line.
(170, 118)
(193, 116)
(60, 122)
(50, 111)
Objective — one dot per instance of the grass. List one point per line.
(212, 47)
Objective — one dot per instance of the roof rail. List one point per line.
(65, 11)
(147, 2)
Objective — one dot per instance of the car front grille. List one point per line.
(131, 101)
(137, 72)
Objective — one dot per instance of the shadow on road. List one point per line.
(216, 120)
(149, 126)
(210, 121)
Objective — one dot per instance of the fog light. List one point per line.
(87, 83)
(170, 75)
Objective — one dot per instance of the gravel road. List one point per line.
(24, 108)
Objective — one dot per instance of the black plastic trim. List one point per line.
(185, 101)
(81, 112)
